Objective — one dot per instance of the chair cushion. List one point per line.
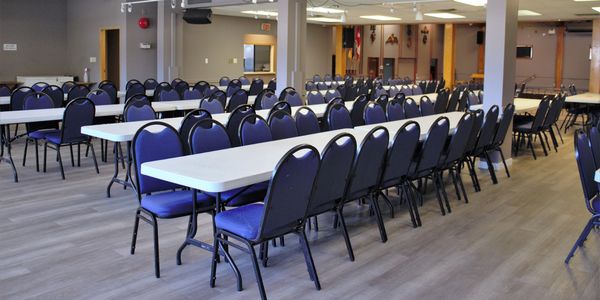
(243, 221)
(596, 204)
(175, 204)
(53, 137)
(251, 194)
(41, 134)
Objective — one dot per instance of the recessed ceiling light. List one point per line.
(325, 10)
(584, 0)
(596, 9)
(528, 13)
(381, 18)
(324, 20)
(260, 13)
(473, 2)
(445, 15)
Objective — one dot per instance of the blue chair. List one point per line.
(426, 106)
(192, 94)
(111, 89)
(378, 92)
(168, 95)
(272, 84)
(330, 185)
(285, 92)
(406, 90)
(233, 87)
(453, 99)
(158, 90)
(150, 84)
(315, 97)
(254, 129)
(209, 135)
(282, 125)
(265, 99)
(240, 97)
(5, 90)
(453, 154)
(189, 120)
(383, 101)
(365, 175)
(212, 105)
(138, 108)
(56, 93)
(501, 132)
(327, 77)
(280, 105)
(374, 113)
(411, 109)
(181, 87)
(306, 121)
(322, 86)
(38, 87)
(330, 94)
(358, 108)
(310, 86)
(395, 111)
(78, 91)
(176, 81)
(234, 121)
(67, 86)
(160, 199)
(585, 157)
(224, 81)
(293, 98)
(130, 83)
(38, 130)
(337, 116)
(202, 87)
(78, 113)
(396, 167)
(100, 97)
(256, 87)
(284, 211)
(393, 91)
(484, 141)
(211, 90)
(244, 80)
(17, 98)
(316, 78)
(441, 102)
(426, 163)
(478, 117)
(472, 98)
(417, 90)
(220, 96)
(463, 101)
(137, 89)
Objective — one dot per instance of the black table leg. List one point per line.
(6, 142)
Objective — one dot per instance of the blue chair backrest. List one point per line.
(406, 90)
(138, 109)
(504, 123)
(283, 94)
(77, 91)
(134, 89)
(111, 89)
(400, 154)
(159, 88)
(256, 87)
(426, 106)
(192, 94)
(315, 97)
(232, 88)
(378, 92)
(237, 99)
(150, 84)
(460, 137)
(100, 97)
(282, 125)
(478, 116)
(331, 94)
(306, 121)
(181, 87)
(453, 100)
(272, 84)
(358, 107)
(322, 86)
(280, 105)
(220, 96)
(39, 86)
(411, 109)
(441, 102)
(472, 99)
(244, 80)
(130, 83)
(587, 168)
(374, 113)
(330, 185)
(56, 93)
(395, 111)
(151, 145)
(417, 90)
(235, 119)
(169, 95)
(433, 144)
(338, 117)
(290, 191)
(310, 86)
(4, 90)
(203, 87)
(212, 105)
(176, 81)
(393, 91)
(224, 81)
(189, 120)
(17, 98)
(293, 98)
(67, 86)
(268, 100)
(37, 101)
(316, 78)
(254, 129)
(211, 90)
(78, 113)
(367, 169)
(327, 77)
(486, 135)
(208, 135)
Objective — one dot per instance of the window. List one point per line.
(525, 52)
(257, 58)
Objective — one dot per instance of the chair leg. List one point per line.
(490, 167)
(559, 134)
(442, 189)
(45, 154)
(156, 249)
(553, 138)
(37, 156)
(25, 151)
(60, 162)
(543, 144)
(582, 237)
(387, 201)
(342, 221)
(213, 263)
(380, 224)
(310, 264)
(402, 193)
(455, 184)
(259, 280)
(413, 198)
(462, 186)
(72, 159)
(531, 146)
(136, 224)
(94, 157)
(79, 153)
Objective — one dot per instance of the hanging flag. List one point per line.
(357, 41)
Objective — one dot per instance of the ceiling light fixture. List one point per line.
(596, 9)
(173, 4)
(445, 15)
(380, 18)
(528, 13)
(343, 18)
(260, 13)
(254, 1)
(129, 7)
(419, 15)
(324, 10)
(472, 2)
(324, 20)
(122, 8)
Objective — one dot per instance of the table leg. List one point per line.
(124, 182)
(6, 142)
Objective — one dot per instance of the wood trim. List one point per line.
(416, 66)
(594, 86)
(481, 59)
(449, 54)
(103, 62)
(340, 59)
(560, 55)
(381, 51)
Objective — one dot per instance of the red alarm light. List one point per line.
(144, 23)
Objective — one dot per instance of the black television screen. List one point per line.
(524, 52)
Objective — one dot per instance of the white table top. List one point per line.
(121, 94)
(4, 100)
(522, 105)
(585, 98)
(597, 176)
(244, 87)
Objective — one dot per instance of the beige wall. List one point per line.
(222, 41)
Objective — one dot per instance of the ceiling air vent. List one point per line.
(588, 15)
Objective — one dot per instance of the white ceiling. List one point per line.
(550, 10)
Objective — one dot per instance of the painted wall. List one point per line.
(39, 30)
(141, 62)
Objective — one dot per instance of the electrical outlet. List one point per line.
(206, 60)
(92, 59)
(235, 60)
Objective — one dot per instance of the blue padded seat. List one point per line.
(43, 133)
(243, 221)
(254, 193)
(174, 204)
(53, 137)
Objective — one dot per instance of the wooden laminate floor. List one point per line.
(66, 240)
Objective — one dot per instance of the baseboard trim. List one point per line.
(497, 165)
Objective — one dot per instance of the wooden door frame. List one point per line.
(103, 62)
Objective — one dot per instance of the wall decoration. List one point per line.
(425, 32)
(392, 39)
(408, 36)
(373, 35)
(265, 26)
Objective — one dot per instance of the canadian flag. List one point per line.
(357, 41)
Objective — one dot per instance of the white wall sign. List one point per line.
(10, 47)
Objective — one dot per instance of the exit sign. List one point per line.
(10, 47)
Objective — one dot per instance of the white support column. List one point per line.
(500, 60)
(291, 43)
(166, 43)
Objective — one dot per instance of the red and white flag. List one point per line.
(357, 41)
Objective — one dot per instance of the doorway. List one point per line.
(388, 68)
(109, 56)
(373, 67)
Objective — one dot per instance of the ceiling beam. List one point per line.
(219, 3)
